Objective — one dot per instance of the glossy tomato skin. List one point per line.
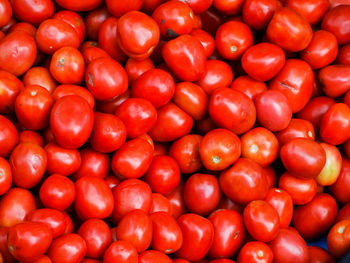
(106, 78)
(229, 233)
(79, 5)
(33, 12)
(335, 22)
(6, 12)
(340, 188)
(299, 30)
(76, 112)
(263, 61)
(255, 251)
(120, 251)
(198, 236)
(160, 203)
(135, 68)
(40, 76)
(312, 10)
(343, 213)
(5, 176)
(344, 55)
(335, 80)
(108, 134)
(232, 110)
(297, 128)
(93, 21)
(69, 248)
(244, 182)
(185, 56)
(74, 20)
(320, 211)
(11, 86)
(289, 247)
(319, 255)
(150, 256)
(94, 198)
(97, 236)
(65, 90)
(8, 136)
(338, 239)
(18, 52)
(335, 125)
(207, 41)
(232, 39)
(29, 240)
(258, 13)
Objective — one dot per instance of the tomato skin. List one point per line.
(93, 21)
(232, 110)
(244, 182)
(289, 247)
(185, 56)
(8, 136)
(69, 248)
(71, 121)
(228, 7)
(17, 52)
(232, 45)
(129, 195)
(5, 176)
(340, 189)
(299, 30)
(207, 41)
(258, 13)
(167, 235)
(5, 13)
(97, 236)
(320, 211)
(297, 128)
(135, 68)
(106, 78)
(255, 251)
(29, 240)
(198, 236)
(303, 158)
(120, 251)
(338, 239)
(283, 204)
(74, 20)
(160, 203)
(335, 22)
(344, 55)
(40, 76)
(120, 8)
(229, 233)
(335, 124)
(94, 199)
(33, 12)
(79, 5)
(66, 90)
(319, 255)
(108, 134)
(150, 256)
(335, 80)
(312, 10)
(10, 88)
(343, 213)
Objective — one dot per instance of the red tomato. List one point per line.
(299, 30)
(120, 251)
(40, 76)
(228, 7)
(263, 61)
(338, 239)
(8, 136)
(66, 90)
(32, 137)
(5, 176)
(207, 41)
(71, 121)
(244, 182)
(219, 148)
(130, 26)
(199, 6)
(335, 21)
(94, 20)
(229, 233)
(108, 134)
(232, 110)
(106, 78)
(258, 13)
(29, 240)
(335, 80)
(6, 12)
(118, 9)
(167, 235)
(150, 256)
(320, 213)
(74, 20)
(289, 247)
(160, 203)
(97, 236)
(233, 38)
(135, 68)
(319, 255)
(70, 248)
(297, 128)
(174, 18)
(340, 189)
(10, 88)
(129, 195)
(344, 55)
(198, 236)
(79, 5)
(255, 251)
(312, 10)
(185, 56)
(17, 52)
(343, 213)
(176, 200)
(283, 204)
(94, 199)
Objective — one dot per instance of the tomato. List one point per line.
(66, 90)
(93, 53)
(338, 239)
(167, 235)
(319, 255)
(289, 247)
(228, 7)
(233, 38)
(94, 199)
(297, 128)
(335, 80)
(40, 76)
(93, 163)
(79, 5)
(344, 55)
(32, 11)
(71, 121)
(244, 182)
(335, 124)
(160, 203)
(135, 68)
(120, 8)
(5, 176)
(341, 186)
(5, 253)
(229, 233)
(97, 236)
(299, 30)
(150, 256)
(5, 13)
(120, 251)
(199, 6)
(335, 21)
(93, 21)
(273, 110)
(74, 20)
(343, 213)
(248, 86)
(29, 240)
(312, 10)
(27, 27)
(130, 25)
(255, 251)
(46, 259)
(31, 136)
(8, 136)
(258, 13)
(54, 219)
(207, 41)
(174, 18)
(70, 248)
(17, 52)
(198, 236)
(129, 195)
(10, 87)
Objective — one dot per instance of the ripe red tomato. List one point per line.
(340, 189)
(93, 21)
(344, 55)
(150, 256)
(229, 233)
(66, 90)
(229, 7)
(74, 20)
(8, 136)
(135, 68)
(10, 88)
(338, 239)
(297, 128)
(120, 8)
(343, 213)
(5, 176)
(255, 251)
(40, 76)
(120, 251)
(160, 203)
(319, 255)
(207, 41)
(312, 10)
(335, 80)
(258, 13)
(79, 5)
(6, 12)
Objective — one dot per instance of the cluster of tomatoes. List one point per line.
(154, 131)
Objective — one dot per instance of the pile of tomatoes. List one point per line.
(155, 131)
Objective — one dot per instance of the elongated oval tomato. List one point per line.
(8, 136)
(335, 80)
(5, 13)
